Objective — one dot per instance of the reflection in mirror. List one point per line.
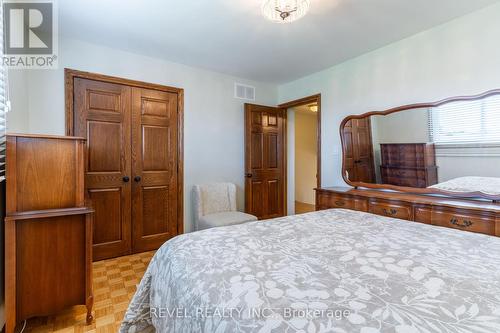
(453, 147)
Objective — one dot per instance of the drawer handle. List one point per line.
(464, 224)
(390, 212)
(340, 203)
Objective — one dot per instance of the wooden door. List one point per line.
(349, 150)
(265, 171)
(358, 156)
(364, 163)
(155, 193)
(102, 116)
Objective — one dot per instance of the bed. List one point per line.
(328, 271)
(470, 184)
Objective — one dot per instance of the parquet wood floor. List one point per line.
(115, 282)
(301, 208)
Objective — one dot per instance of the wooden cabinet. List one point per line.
(48, 229)
(468, 215)
(410, 165)
(133, 160)
(358, 151)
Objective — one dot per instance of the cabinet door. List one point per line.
(154, 168)
(102, 116)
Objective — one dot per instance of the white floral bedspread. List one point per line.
(486, 185)
(329, 271)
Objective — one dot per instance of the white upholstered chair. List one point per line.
(215, 206)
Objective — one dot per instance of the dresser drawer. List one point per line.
(332, 200)
(403, 176)
(423, 214)
(484, 224)
(404, 173)
(408, 182)
(391, 209)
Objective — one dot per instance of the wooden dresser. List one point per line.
(411, 165)
(48, 229)
(469, 215)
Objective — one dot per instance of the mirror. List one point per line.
(449, 147)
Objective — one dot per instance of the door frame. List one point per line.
(69, 77)
(298, 102)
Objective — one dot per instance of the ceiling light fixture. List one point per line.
(313, 107)
(285, 11)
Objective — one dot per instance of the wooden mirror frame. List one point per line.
(494, 198)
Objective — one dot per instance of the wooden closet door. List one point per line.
(154, 168)
(102, 116)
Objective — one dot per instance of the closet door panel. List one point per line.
(107, 206)
(102, 116)
(154, 168)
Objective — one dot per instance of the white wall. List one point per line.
(305, 157)
(459, 57)
(213, 119)
(409, 126)
(468, 166)
(18, 117)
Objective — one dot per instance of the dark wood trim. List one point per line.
(46, 136)
(300, 101)
(180, 161)
(285, 159)
(38, 214)
(69, 77)
(308, 100)
(10, 274)
(412, 189)
(89, 295)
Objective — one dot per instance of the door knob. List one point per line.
(137, 179)
(248, 175)
(126, 179)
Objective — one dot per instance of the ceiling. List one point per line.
(232, 37)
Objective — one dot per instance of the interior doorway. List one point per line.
(303, 160)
